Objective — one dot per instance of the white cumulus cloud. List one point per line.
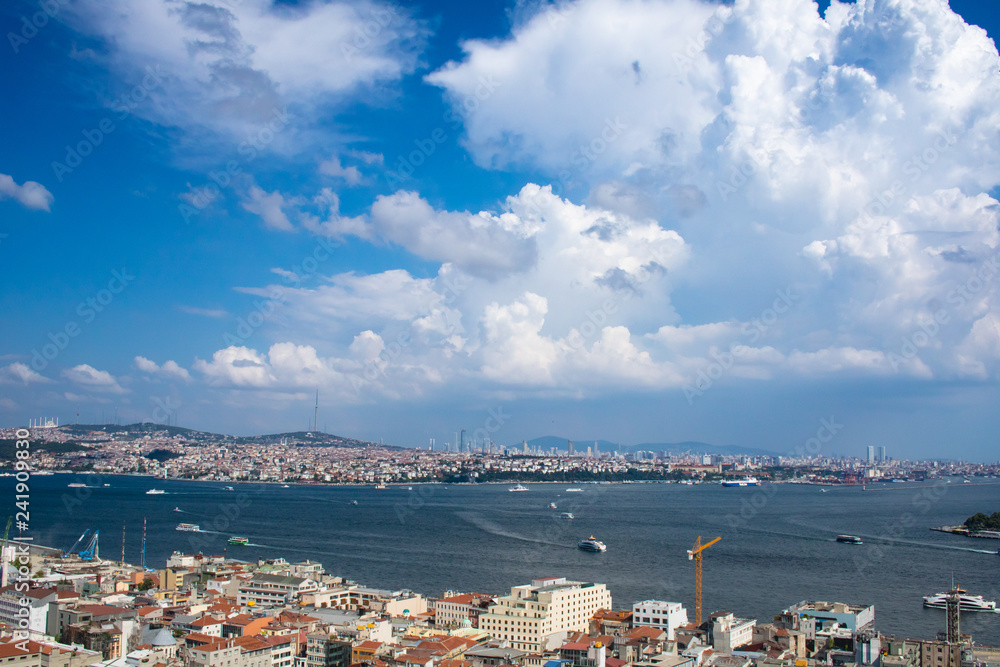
(31, 194)
(93, 379)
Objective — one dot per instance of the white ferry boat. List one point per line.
(155, 492)
(591, 544)
(574, 490)
(966, 602)
(519, 487)
(189, 527)
(746, 481)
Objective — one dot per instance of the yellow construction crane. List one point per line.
(695, 554)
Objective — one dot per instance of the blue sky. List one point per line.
(636, 221)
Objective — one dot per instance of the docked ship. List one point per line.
(592, 544)
(849, 539)
(155, 492)
(241, 541)
(746, 481)
(189, 527)
(519, 487)
(966, 602)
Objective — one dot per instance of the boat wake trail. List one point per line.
(498, 530)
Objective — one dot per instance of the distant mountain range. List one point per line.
(690, 446)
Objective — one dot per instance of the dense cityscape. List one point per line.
(168, 452)
(72, 609)
(473, 238)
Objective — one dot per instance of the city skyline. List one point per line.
(641, 222)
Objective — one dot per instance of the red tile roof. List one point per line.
(575, 646)
(102, 609)
(13, 649)
(252, 643)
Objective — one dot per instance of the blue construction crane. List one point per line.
(90, 551)
(69, 551)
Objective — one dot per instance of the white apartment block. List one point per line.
(531, 614)
(729, 632)
(660, 615)
(271, 590)
(32, 616)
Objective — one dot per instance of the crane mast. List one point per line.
(694, 554)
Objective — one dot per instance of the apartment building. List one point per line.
(28, 653)
(30, 617)
(544, 611)
(324, 650)
(659, 614)
(271, 590)
(453, 610)
(729, 632)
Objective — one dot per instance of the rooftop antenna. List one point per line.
(123, 542)
(143, 544)
(316, 413)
